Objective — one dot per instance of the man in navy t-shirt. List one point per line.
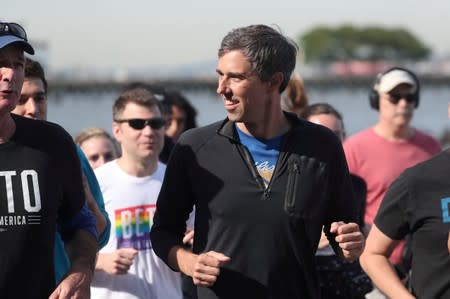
(40, 187)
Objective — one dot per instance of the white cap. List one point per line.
(393, 79)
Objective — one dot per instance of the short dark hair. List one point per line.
(176, 98)
(320, 108)
(139, 96)
(267, 50)
(34, 69)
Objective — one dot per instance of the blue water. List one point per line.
(76, 112)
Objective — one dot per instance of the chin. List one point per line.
(234, 117)
(405, 122)
(9, 106)
(150, 153)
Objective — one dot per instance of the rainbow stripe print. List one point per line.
(133, 226)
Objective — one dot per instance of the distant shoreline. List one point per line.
(210, 84)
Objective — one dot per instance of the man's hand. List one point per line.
(82, 250)
(203, 268)
(206, 268)
(350, 239)
(76, 285)
(117, 262)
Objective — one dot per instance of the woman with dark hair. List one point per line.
(183, 114)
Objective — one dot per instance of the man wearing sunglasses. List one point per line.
(127, 267)
(417, 203)
(380, 153)
(40, 187)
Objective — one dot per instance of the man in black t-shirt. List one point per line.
(40, 187)
(417, 203)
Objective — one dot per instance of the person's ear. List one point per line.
(116, 131)
(276, 80)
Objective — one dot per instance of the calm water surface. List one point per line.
(76, 112)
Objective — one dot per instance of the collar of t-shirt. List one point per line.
(264, 152)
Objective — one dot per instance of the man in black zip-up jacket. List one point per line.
(255, 234)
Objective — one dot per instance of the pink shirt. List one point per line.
(380, 162)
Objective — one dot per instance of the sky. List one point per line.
(141, 33)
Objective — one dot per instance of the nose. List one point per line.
(221, 85)
(101, 160)
(31, 108)
(147, 130)
(174, 124)
(94, 164)
(6, 73)
(403, 102)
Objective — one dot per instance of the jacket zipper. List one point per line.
(251, 165)
(292, 186)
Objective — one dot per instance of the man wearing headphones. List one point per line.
(417, 204)
(380, 153)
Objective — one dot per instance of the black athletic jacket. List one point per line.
(271, 235)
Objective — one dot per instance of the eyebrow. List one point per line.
(39, 93)
(234, 74)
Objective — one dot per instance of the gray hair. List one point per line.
(267, 50)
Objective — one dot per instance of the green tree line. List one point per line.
(371, 43)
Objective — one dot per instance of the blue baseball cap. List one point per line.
(14, 33)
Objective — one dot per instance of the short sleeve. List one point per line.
(69, 171)
(392, 218)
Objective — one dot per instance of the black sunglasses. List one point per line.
(139, 123)
(395, 98)
(13, 29)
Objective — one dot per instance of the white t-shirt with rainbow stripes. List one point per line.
(131, 202)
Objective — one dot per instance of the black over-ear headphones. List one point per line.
(374, 97)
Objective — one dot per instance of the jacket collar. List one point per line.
(227, 128)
